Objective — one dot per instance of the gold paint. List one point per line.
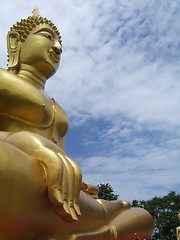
(41, 188)
(31, 124)
(178, 229)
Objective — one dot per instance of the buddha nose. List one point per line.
(57, 47)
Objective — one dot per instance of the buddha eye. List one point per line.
(46, 34)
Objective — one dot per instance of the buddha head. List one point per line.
(35, 42)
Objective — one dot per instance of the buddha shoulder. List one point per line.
(21, 98)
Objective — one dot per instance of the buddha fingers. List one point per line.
(77, 184)
(65, 178)
(71, 187)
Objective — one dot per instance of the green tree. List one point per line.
(106, 192)
(165, 213)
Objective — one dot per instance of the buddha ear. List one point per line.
(13, 45)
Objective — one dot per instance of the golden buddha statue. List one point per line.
(41, 188)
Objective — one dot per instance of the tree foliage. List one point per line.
(106, 192)
(165, 213)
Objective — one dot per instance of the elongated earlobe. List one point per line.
(13, 45)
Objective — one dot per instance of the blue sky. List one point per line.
(119, 85)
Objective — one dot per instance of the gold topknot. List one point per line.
(26, 25)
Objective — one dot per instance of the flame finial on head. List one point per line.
(35, 13)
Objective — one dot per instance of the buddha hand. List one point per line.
(62, 173)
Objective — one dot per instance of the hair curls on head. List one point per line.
(26, 25)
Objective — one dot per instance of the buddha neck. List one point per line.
(30, 73)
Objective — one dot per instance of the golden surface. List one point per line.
(178, 229)
(41, 188)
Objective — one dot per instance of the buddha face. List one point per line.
(41, 50)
